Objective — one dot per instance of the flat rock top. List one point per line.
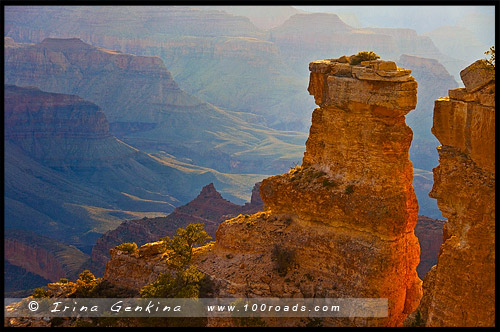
(373, 70)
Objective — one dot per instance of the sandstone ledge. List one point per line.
(387, 88)
(375, 70)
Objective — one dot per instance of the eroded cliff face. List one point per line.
(460, 289)
(42, 256)
(50, 127)
(349, 211)
(346, 216)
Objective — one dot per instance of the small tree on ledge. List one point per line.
(181, 245)
(491, 53)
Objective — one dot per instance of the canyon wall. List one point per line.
(147, 109)
(460, 289)
(345, 217)
(42, 256)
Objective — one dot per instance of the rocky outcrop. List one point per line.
(345, 217)
(325, 210)
(430, 237)
(460, 289)
(135, 270)
(209, 208)
(30, 110)
(73, 67)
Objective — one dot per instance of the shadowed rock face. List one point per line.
(430, 237)
(434, 81)
(345, 217)
(71, 66)
(69, 179)
(42, 256)
(460, 289)
(59, 129)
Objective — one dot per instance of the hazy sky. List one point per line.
(421, 18)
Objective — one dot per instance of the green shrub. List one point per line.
(181, 245)
(63, 280)
(284, 259)
(85, 285)
(184, 284)
(349, 189)
(328, 183)
(40, 293)
(128, 247)
(363, 56)
(491, 53)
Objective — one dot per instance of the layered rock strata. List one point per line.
(460, 289)
(349, 211)
(146, 108)
(42, 256)
(344, 219)
(50, 127)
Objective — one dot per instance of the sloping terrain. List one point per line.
(147, 109)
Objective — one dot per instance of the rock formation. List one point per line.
(460, 289)
(42, 256)
(148, 110)
(67, 178)
(346, 216)
(430, 237)
(49, 126)
(209, 208)
(71, 66)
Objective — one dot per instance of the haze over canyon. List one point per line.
(327, 152)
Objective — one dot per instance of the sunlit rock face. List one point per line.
(460, 289)
(347, 214)
(341, 225)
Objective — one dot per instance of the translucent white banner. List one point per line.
(204, 307)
